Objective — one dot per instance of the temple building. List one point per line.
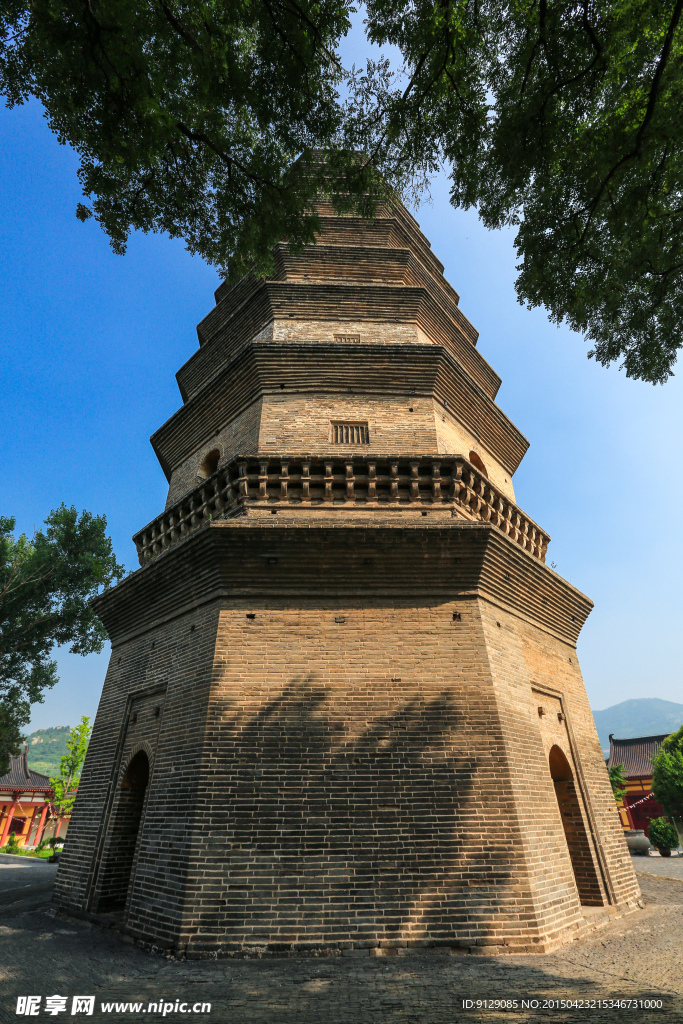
(24, 802)
(638, 806)
(343, 708)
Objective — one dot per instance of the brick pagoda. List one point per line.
(343, 708)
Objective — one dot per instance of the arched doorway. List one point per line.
(124, 833)
(574, 829)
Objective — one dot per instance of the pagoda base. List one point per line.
(334, 737)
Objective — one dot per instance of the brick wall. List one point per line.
(371, 332)
(454, 438)
(239, 436)
(355, 768)
(377, 371)
(157, 668)
(331, 771)
(281, 423)
(533, 666)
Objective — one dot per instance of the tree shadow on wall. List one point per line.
(368, 819)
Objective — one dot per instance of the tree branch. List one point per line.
(649, 112)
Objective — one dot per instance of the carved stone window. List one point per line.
(347, 339)
(349, 433)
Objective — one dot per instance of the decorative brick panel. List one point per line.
(349, 433)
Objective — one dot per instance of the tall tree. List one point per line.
(46, 586)
(10, 736)
(64, 785)
(667, 779)
(562, 119)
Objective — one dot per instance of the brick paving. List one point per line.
(637, 957)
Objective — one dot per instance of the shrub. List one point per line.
(12, 844)
(663, 834)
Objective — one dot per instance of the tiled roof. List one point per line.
(635, 754)
(21, 777)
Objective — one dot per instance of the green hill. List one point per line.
(46, 747)
(647, 716)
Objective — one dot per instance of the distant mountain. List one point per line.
(46, 747)
(647, 716)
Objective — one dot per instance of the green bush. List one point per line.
(12, 844)
(663, 834)
(44, 849)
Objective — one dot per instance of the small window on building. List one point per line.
(478, 464)
(209, 465)
(347, 339)
(350, 433)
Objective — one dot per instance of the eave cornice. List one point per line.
(246, 562)
(231, 325)
(266, 367)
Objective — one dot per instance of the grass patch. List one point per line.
(19, 851)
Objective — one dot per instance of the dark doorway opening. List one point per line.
(574, 829)
(121, 852)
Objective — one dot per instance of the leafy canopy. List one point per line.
(562, 119)
(187, 117)
(46, 586)
(10, 736)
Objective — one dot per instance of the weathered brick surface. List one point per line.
(339, 705)
(359, 769)
(350, 372)
(148, 672)
(454, 436)
(224, 329)
(240, 435)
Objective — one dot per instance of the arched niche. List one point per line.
(578, 844)
(209, 464)
(118, 866)
(478, 463)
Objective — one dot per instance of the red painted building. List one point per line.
(24, 802)
(639, 806)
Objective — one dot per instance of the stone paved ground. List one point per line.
(638, 957)
(666, 867)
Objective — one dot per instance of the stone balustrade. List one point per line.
(340, 481)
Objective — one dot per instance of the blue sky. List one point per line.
(91, 342)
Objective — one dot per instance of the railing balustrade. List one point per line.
(337, 481)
